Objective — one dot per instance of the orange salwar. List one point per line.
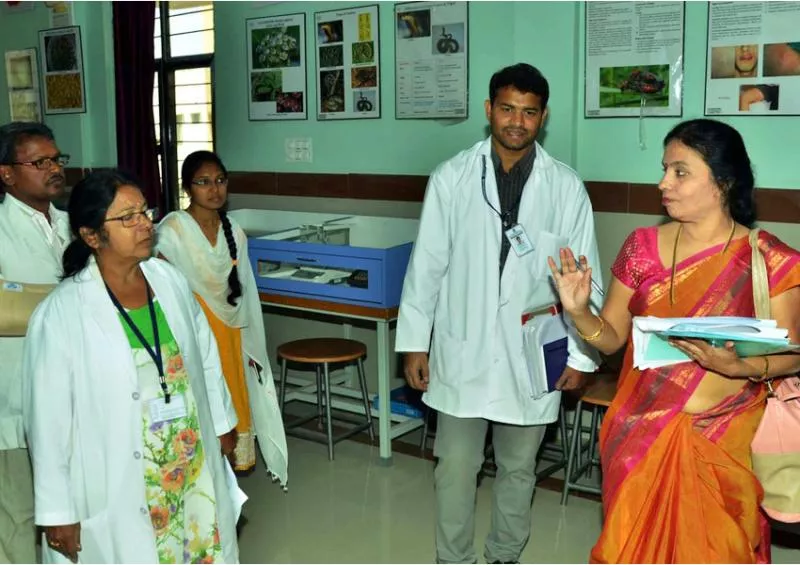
(229, 342)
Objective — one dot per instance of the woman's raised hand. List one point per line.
(574, 284)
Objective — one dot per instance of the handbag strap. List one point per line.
(758, 268)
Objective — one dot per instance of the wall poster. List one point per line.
(22, 76)
(753, 59)
(431, 59)
(634, 59)
(348, 63)
(276, 68)
(62, 69)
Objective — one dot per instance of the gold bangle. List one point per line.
(763, 376)
(596, 335)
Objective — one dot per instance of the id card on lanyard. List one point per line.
(155, 350)
(515, 233)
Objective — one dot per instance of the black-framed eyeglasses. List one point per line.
(206, 182)
(133, 219)
(45, 163)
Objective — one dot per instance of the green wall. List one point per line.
(546, 34)
(90, 138)
(500, 34)
(609, 148)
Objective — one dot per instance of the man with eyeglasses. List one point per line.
(33, 236)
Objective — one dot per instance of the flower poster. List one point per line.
(22, 76)
(431, 59)
(276, 68)
(62, 69)
(634, 59)
(753, 59)
(348, 68)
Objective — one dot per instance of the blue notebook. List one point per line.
(555, 361)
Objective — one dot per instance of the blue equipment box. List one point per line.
(404, 401)
(359, 260)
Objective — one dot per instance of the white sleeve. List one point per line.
(47, 410)
(427, 267)
(582, 241)
(167, 243)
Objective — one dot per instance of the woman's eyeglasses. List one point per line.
(206, 182)
(133, 219)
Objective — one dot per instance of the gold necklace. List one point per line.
(675, 254)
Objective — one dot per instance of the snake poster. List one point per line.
(634, 59)
(348, 63)
(431, 59)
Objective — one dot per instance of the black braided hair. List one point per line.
(233, 279)
(191, 165)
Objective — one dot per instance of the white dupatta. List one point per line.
(182, 243)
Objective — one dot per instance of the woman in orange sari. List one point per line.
(678, 484)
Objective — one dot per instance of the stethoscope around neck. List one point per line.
(505, 217)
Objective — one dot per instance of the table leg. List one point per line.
(384, 377)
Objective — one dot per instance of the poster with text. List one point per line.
(431, 60)
(753, 59)
(634, 59)
(348, 63)
(22, 76)
(276, 68)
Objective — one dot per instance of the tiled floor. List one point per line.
(352, 510)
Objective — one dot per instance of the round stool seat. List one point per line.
(322, 350)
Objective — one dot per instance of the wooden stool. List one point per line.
(599, 396)
(321, 352)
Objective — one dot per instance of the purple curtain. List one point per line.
(134, 58)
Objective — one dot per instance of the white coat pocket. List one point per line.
(546, 245)
(447, 357)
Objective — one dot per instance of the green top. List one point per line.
(141, 317)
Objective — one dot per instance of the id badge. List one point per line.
(160, 411)
(519, 240)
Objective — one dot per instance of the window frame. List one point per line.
(166, 67)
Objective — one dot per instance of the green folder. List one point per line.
(745, 345)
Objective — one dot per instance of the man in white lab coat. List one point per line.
(491, 216)
(33, 234)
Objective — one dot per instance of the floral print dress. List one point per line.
(178, 484)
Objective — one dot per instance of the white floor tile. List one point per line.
(353, 510)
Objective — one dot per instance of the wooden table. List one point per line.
(390, 425)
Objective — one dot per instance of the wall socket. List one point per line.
(298, 149)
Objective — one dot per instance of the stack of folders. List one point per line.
(546, 350)
(751, 337)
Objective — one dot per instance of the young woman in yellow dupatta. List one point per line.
(210, 249)
(678, 485)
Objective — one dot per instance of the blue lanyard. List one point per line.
(155, 351)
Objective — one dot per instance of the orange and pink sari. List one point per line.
(678, 487)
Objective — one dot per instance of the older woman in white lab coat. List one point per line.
(124, 399)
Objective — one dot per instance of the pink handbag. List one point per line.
(776, 445)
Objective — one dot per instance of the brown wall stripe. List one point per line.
(774, 205)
